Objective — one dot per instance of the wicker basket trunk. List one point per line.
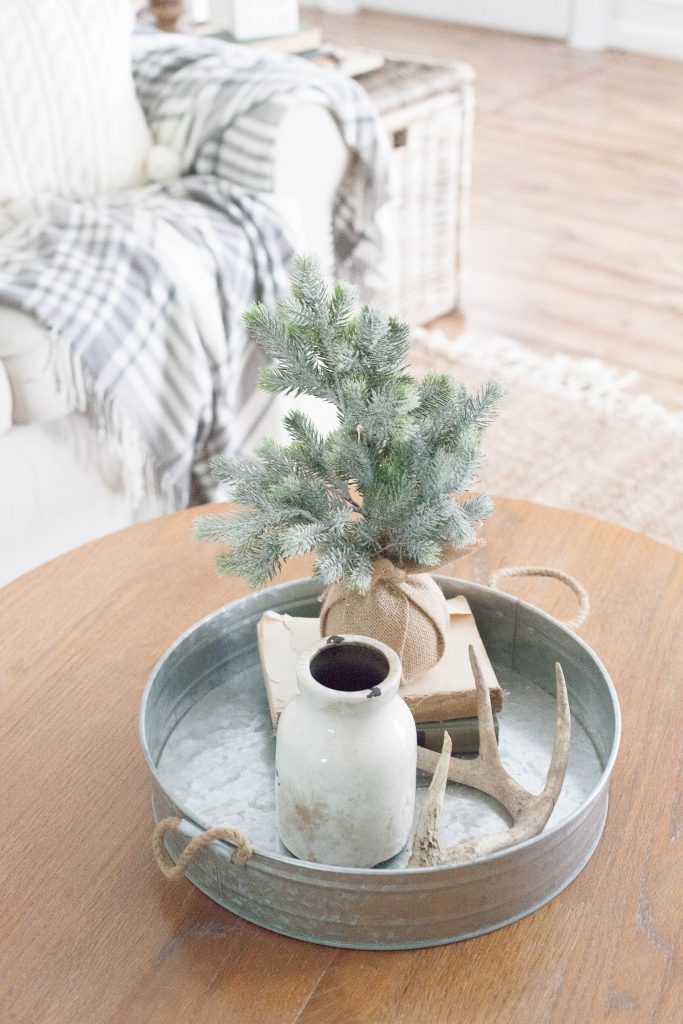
(427, 110)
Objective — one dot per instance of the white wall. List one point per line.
(647, 26)
(644, 26)
(535, 17)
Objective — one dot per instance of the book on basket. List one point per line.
(308, 37)
(444, 693)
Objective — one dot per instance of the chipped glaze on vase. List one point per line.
(345, 757)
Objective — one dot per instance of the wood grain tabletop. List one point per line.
(90, 931)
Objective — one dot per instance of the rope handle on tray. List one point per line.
(175, 870)
(564, 577)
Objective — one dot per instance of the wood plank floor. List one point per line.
(577, 203)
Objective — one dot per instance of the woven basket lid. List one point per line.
(399, 83)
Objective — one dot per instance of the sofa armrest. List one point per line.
(309, 165)
(29, 390)
(219, 106)
(222, 107)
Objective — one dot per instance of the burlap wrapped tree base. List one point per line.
(405, 610)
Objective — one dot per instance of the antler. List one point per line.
(529, 813)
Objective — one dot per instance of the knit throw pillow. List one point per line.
(70, 122)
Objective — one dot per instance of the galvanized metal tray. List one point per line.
(208, 740)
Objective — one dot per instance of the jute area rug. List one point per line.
(571, 433)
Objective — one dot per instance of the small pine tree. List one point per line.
(383, 483)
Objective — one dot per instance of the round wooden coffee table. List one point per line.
(90, 930)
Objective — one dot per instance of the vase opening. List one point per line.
(349, 667)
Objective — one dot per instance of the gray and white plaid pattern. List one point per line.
(219, 106)
(126, 338)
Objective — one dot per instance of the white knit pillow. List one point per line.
(70, 122)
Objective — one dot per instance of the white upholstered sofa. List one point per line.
(58, 489)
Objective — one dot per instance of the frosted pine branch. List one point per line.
(385, 481)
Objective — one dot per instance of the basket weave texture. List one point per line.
(427, 111)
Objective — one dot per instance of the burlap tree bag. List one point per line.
(405, 610)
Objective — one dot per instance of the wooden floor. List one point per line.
(577, 204)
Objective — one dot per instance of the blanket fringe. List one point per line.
(119, 439)
(587, 381)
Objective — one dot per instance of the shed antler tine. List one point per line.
(426, 849)
(488, 747)
(529, 813)
(563, 727)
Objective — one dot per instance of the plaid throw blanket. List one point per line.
(165, 371)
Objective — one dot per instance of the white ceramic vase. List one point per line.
(345, 759)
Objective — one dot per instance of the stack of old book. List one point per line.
(306, 39)
(444, 699)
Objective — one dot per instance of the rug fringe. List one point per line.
(587, 381)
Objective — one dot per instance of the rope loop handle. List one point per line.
(175, 870)
(564, 577)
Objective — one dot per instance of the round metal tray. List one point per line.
(208, 740)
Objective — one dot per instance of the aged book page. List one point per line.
(447, 691)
